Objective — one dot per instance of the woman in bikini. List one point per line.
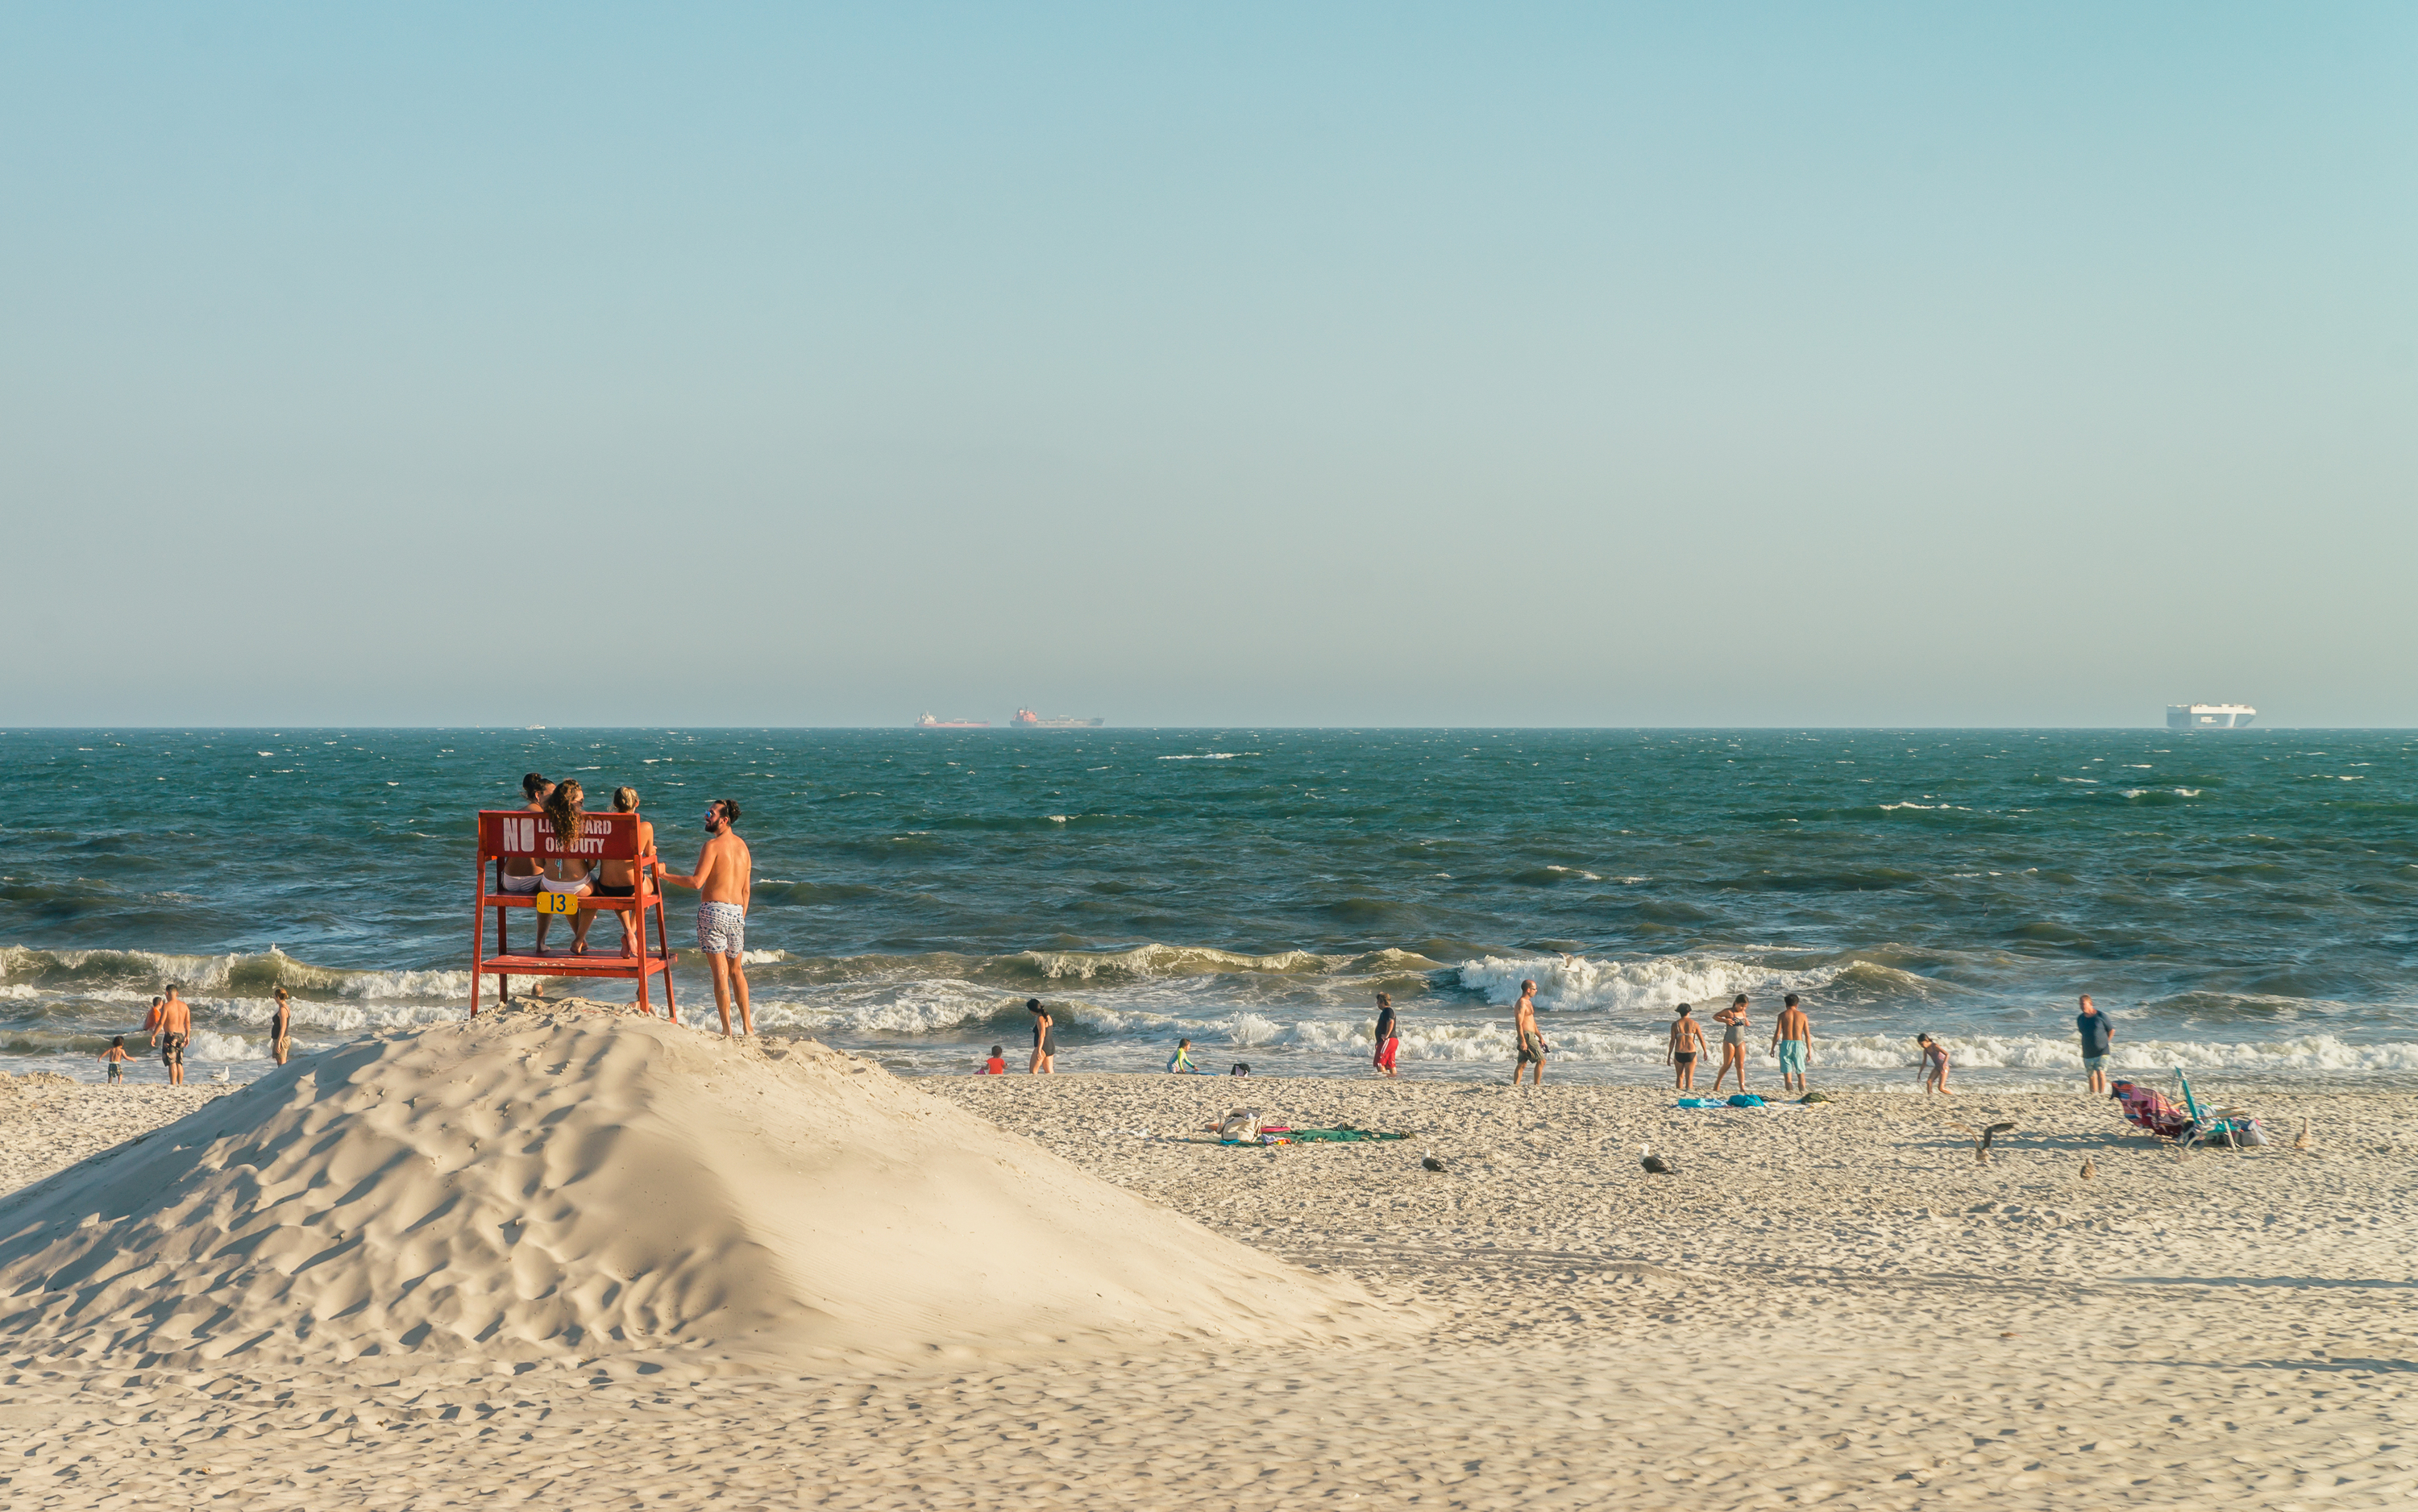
(566, 874)
(1732, 1043)
(1687, 1043)
(619, 879)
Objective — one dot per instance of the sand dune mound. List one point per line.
(581, 1182)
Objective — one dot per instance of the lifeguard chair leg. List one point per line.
(477, 937)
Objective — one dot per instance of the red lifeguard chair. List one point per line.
(526, 832)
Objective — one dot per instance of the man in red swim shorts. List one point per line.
(1389, 1036)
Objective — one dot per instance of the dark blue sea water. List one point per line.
(2242, 902)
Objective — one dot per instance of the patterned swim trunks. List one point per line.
(721, 928)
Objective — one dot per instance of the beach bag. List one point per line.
(1241, 1126)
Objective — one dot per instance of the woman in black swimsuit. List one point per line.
(1687, 1043)
(1045, 1039)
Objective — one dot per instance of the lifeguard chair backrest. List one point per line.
(527, 833)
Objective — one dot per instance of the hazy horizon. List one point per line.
(1393, 366)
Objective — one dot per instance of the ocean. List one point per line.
(2241, 903)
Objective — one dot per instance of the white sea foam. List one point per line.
(1209, 755)
(1650, 984)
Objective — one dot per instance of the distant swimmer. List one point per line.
(725, 880)
(173, 1031)
(280, 1029)
(1687, 1043)
(1532, 1040)
(2098, 1033)
(1389, 1035)
(1792, 1038)
(521, 872)
(1733, 1020)
(1045, 1039)
(619, 879)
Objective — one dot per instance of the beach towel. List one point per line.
(1745, 1100)
(1345, 1134)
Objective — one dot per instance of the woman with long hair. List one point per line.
(566, 874)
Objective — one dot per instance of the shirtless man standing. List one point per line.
(1532, 1043)
(177, 1026)
(1792, 1040)
(724, 879)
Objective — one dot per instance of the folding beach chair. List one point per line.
(2204, 1126)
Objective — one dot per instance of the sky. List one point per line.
(1340, 364)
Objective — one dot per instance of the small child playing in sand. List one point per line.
(996, 1065)
(1179, 1063)
(115, 1058)
(1935, 1067)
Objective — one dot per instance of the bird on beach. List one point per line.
(1655, 1165)
(2302, 1141)
(2090, 1170)
(1431, 1162)
(1982, 1138)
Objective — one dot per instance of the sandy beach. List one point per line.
(1829, 1306)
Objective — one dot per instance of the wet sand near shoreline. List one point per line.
(1835, 1307)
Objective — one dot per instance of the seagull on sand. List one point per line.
(1655, 1165)
(1429, 1162)
(2090, 1171)
(2302, 1141)
(1982, 1138)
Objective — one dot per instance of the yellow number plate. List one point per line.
(557, 903)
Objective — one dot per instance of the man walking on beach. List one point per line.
(172, 1034)
(1792, 1038)
(1389, 1038)
(1532, 1043)
(2098, 1032)
(724, 879)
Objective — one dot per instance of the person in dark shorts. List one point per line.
(1687, 1043)
(1045, 1039)
(1389, 1035)
(116, 1060)
(174, 1032)
(1532, 1039)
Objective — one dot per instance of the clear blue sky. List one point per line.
(1329, 364)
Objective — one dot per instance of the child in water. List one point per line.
(996, 1065)
(115, 1058)
(1934, 1065)
(1179, 1063)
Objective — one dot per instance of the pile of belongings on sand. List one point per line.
(2145, 1108)
(1243, 1127)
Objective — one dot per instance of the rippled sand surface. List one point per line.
(1832, 1307)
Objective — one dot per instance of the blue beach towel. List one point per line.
(1745, 1100)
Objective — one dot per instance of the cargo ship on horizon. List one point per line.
(929, 723)
(1027, 719)
(2210, 716)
